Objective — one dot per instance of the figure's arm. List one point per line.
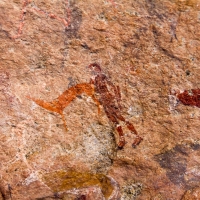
(117, 94)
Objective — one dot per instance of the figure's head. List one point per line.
(95, 68)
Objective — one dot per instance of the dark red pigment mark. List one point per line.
(81, 197)
(190, 97)
(109, 98)
(25, 8)
(60, 103)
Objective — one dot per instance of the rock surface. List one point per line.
(150, 49)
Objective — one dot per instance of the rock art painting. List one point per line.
(110, 100)
(124, 58)
(74, 185)
(186, 97)
(63, 184)
(108, 95)
(29, 6)
(60, 103)
(190, 97)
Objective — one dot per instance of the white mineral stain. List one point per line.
(31, 178)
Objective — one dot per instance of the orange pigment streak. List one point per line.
(60, 103)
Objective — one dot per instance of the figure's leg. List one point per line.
(113, 118)
(130, 126)
(138, 139)
(121, 142)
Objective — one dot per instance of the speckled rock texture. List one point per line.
(150, 49)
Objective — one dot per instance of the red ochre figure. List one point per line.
(190, 97)
(109, 97)
(60, 103)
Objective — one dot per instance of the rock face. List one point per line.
(149, 50)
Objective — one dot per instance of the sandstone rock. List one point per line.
(192, 194)
(149, 48)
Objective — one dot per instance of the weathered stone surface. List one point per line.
(192, 194)
(150, 49)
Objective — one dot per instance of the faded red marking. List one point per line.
(59, 104)
(112, 2)
(35, 8)
(5, 88)
(190, 97)
(109, 98)
(25, 9)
